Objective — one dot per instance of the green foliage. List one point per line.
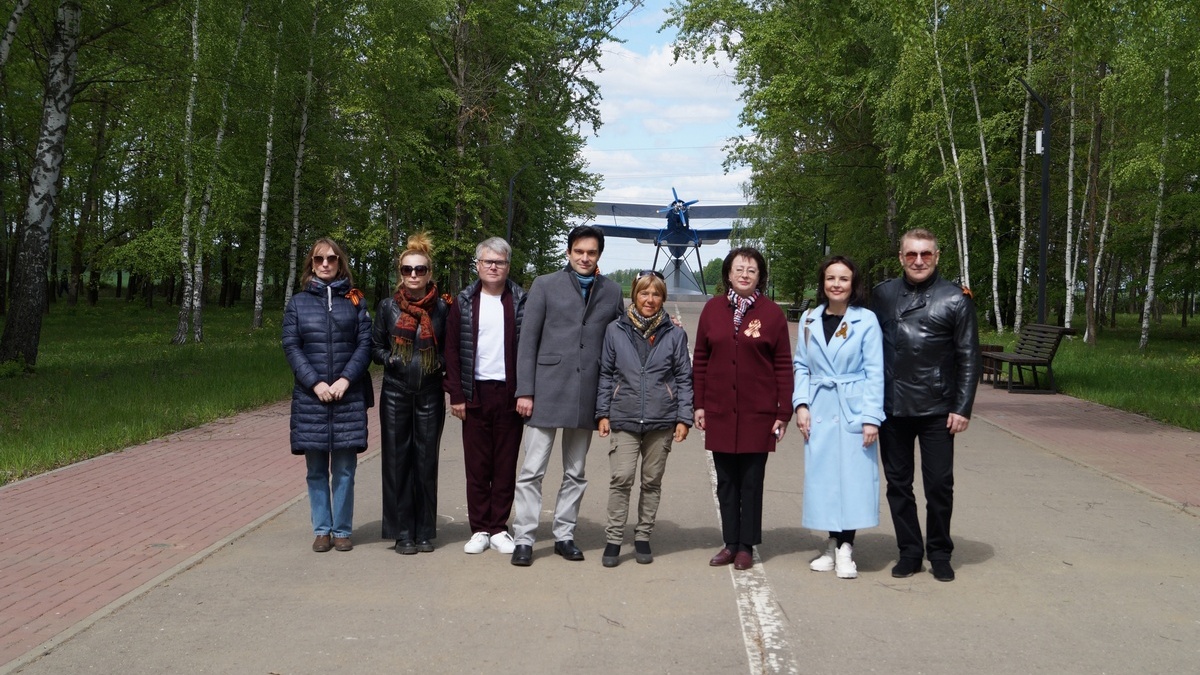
(861, 123)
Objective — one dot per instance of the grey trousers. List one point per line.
(652, 447)
(528, 499)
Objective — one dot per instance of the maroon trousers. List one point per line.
(491, 443)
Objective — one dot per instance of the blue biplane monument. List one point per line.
(677, 240)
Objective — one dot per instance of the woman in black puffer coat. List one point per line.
(409, 339)
(327, 340)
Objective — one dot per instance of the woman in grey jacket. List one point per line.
(645, 402)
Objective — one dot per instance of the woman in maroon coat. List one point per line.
(743, 388)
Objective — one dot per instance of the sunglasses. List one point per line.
(491, 263)
(320, 259)
(913, 256)
(408, 270)
(647, 273)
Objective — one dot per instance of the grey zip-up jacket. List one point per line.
(639, 395)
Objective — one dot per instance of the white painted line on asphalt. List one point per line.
(764, 628)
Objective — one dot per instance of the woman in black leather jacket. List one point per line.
(408, 339)
(327, 341)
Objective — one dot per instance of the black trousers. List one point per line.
(740, 495)
(896, 438)
(410, 426)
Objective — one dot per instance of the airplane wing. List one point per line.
(712, 236)
(646, 235)
(730, 211)
(626, 210)
(697, 212)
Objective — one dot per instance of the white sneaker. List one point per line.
(503, 543)
(478, 543)
(824, 562)
(846, 569)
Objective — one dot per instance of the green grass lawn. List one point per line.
(107, 377)
(1162, 383)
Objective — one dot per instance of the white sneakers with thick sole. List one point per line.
(825, 561)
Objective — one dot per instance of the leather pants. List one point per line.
(411, 433)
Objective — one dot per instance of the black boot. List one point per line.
(612, 555)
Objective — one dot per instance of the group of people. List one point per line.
(569, 357)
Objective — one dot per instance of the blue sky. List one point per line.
(665, 125)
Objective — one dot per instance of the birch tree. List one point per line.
(23, 325)
(185, 236)
(964, 262)
(298, 169)
(260, 266)
(1158, 212)
(1068, 250)
(1023, 181)
(206, 198)
(10, 32)
(987, 185)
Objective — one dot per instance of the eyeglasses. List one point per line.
(646, 273)
(913, 256)
(409, 270)
(320, 259)
(491, 263)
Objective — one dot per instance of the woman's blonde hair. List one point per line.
(419, 243)
(650, 280)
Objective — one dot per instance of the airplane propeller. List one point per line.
(679, 207)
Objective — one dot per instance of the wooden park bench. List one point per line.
(1036, 347)
(794, 312)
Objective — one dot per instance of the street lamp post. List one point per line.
(1044, 231)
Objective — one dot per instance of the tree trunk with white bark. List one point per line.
(185, 237)
(308, 85)
(987, 187)
(23, 325)
(964, 261)
(260, 264)
(1158, 211)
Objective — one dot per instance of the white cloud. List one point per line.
(665, 125)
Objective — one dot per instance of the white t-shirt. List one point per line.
(489, 347)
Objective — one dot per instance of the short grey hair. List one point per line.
(495, 245)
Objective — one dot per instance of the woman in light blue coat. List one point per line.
(839, 406)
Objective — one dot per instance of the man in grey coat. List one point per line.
(558, 369)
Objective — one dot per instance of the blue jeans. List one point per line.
(332, 512)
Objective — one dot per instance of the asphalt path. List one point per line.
(1065, 565)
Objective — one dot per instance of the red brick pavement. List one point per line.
(74, 543)
(79, 542)
(1149, 455)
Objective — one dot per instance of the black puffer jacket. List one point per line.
(640, 395)
(326, 336)
(930, 347)
(398, 375)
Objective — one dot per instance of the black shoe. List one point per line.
(942, 571)
(612, 555)
(522, 555)
(568, 550)
(425, 546)
(406, 547)
(641, 552)
(906, 568)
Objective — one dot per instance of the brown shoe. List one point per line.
(322, 543)
(744, 560)
(724, 557)
(342, 543)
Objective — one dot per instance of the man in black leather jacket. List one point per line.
(931, 366)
